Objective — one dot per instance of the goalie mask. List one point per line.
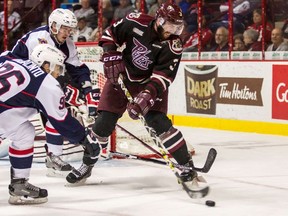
(47, 54)
(62, 17)
(170, 19)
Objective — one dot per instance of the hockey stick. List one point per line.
(211, 154)
(191, 192)
(137, 157)
(209, 161)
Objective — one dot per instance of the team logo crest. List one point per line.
(42, 41)
(140, 55)
(175, 46)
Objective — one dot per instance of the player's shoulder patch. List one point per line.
(42, 41)
(139, 18)
(175, 45)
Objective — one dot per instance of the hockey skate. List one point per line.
(23, 193)
(56, 167)
(190, 178)
(79, 176)
(188, 175)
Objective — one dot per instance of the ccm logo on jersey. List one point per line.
(112, 58)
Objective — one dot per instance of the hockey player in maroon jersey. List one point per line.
(25, 89)
(149, 64)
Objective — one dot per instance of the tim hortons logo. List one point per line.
(242, 91)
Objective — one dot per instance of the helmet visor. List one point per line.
(59, 69)
(172, 28)
(67, 30)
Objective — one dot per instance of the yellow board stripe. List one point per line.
(231, 125)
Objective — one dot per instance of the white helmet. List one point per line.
(61, 17)
(46, 53)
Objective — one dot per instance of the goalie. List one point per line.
(149, 64)
(25, 90)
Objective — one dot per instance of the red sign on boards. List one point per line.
(280, 92)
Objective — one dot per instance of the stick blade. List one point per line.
(209, 161)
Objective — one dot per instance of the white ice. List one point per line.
(249, 178)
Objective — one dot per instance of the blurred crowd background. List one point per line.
(249, 31)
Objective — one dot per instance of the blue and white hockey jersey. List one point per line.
(25, 90)
(78, 71)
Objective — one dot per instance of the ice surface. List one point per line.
(249, 178)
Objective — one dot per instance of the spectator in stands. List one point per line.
(184, 5)
(13, 18)
(191, 16)
(278, 43)
(94, 4)
(123, 9)
(82, 30)
(238, 43)
(95, 35)
(137, 6)
(257, 25)
(85, 10)
(154, 7)
(191, 45)
(251, 40)
(285, 30)
(240, 8)
(81, 38)
(34, 11)
(108, 10)
(221, 40)
(13, 24)
(88, 12)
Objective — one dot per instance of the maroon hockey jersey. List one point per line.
(147, 58)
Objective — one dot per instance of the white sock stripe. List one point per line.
(20, 156)
(175, 144)
(175, 133)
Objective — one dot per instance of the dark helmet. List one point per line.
(170, 12)
(170, 19)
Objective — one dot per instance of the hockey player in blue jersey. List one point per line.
(26, 89)
(61, 24)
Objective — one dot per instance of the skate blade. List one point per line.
(56, 173)
(76, 184)
(22, 200)
(201, 179)
(197, 183)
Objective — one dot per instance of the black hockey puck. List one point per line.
(210, 203)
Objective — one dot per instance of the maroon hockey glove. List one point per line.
(92, 101)
(113, 65)
(140, 105)
(72, 96)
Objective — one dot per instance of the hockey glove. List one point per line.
(140, 105)
(72, 96)
(90, 144)
(92, 101)
(113, 66)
